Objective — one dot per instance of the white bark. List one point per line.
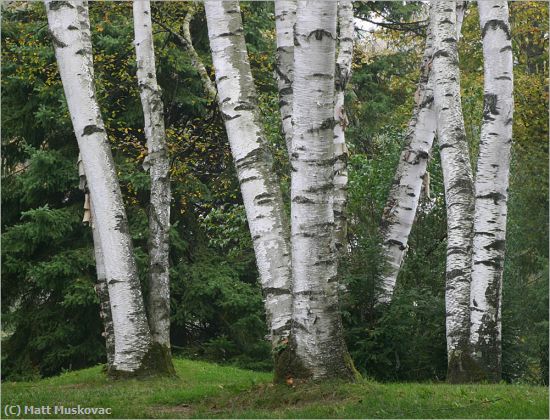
(491, 188)
(259, 185)
(402, 204)
(208, 86)
(158, 165)
(132, 337)
(285, 18)
(100, 285)
(102, 291)
(317, 345)
(458, 182)
(343, 75)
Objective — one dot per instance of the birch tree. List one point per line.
(402, 203)
(100, 285)
(134, 349)
(285, 18)
(491, 190)
(184, 39)
(343, 75)
(158, 165)
(316, 349)
(253, 161)
(458, 183)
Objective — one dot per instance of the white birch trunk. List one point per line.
(491, 188)
(158, 165)
(102, 291)
(132, 336)
(100, 284)
(285, 18)
(316, 349)
(343, 75)
(458, 182)
(207, 84)
(259, 185)
(402, 204)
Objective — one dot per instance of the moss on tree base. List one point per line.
(289, 367)
(463, 368)
(156, 362)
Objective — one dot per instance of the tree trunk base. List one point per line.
(290, 369)
(156, 362)
(463, 369)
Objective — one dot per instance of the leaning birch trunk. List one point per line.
(402, 203)
(343, 75)
(491, 188)
(100, 285)
(259, 185)
(285, 18)
(158, 165)
(458, 183)
(133, 344)
(102, 291)
(316, 349)
(187, 42)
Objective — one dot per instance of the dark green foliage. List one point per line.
(50, 307)
(405, 340)
(219, 316)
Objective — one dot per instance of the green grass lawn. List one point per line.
(206, 390)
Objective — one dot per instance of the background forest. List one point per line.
(50, 311)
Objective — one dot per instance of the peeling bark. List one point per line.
(458, 182)
(285, 18)
(316, 349)
(133, 342)
(402, 203)
(259, 185)
(158, 166)
(343, 75)
(491, 189)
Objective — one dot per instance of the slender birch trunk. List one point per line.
(343, 75)
(400, 210)
(186, 42)
(458, 182)
(133, 344)
(207, 84)
(259, 185)
(285, 18)
(102, 291)
(491, 188)
(158, 165)
(100, 284)
(316, 349)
